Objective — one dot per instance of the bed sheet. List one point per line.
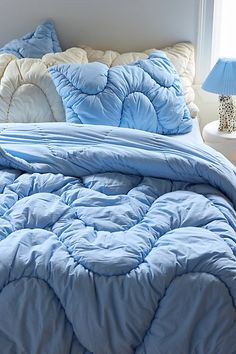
(193, 137)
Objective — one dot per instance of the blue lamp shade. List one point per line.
(222, 78)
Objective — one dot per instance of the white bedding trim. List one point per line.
(27, 91)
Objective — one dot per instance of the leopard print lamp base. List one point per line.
(227, 113)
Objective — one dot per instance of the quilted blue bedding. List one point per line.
(35, 44)
(114, 241)
(146, 94)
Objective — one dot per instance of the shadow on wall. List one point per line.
(208, 105)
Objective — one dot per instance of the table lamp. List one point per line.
(222, 80)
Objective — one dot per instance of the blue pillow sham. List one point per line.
(35, 44)
(145, 95)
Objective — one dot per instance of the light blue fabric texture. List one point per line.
(114, 241)
(145, 95)
(35, 44)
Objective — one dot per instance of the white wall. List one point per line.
(208, 105)
(116, 24)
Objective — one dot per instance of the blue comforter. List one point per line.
(114, 241)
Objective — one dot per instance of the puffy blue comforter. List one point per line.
(114, 241)
(146, 94)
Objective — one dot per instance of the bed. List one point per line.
(114, 239)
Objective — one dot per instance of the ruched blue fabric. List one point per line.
(145, 95)
(114, 241)
(35, 44)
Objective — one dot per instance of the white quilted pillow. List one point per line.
(180, 54)
(27, 92)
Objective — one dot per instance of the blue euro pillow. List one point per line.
(35, 44)
(145, 95)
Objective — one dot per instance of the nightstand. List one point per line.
(223, 142)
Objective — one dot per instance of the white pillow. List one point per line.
(27, 92)
(180, 54)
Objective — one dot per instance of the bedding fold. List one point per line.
(79, 150)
